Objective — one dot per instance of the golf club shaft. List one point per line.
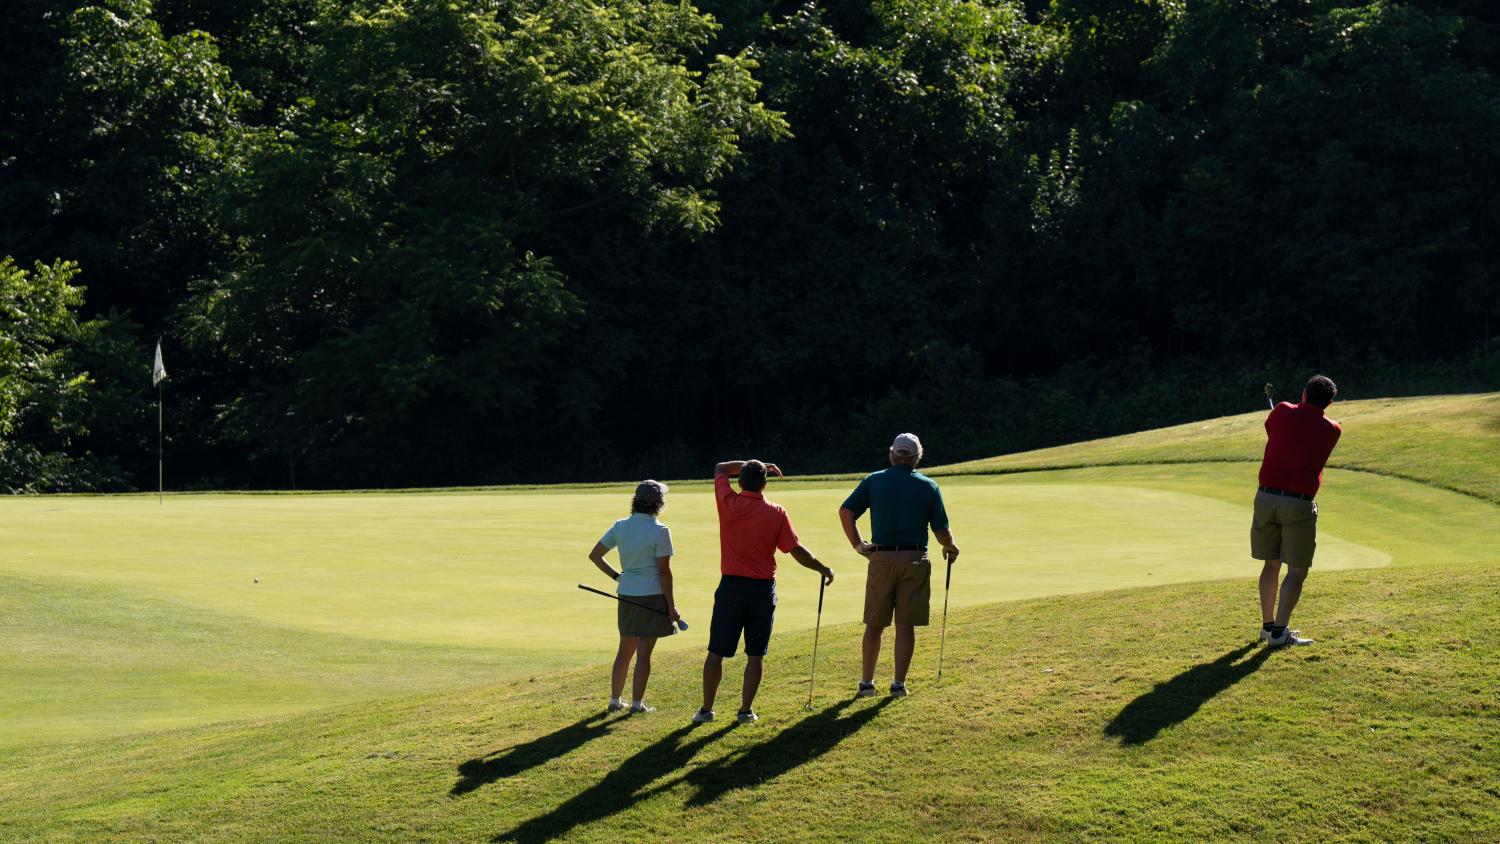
(817, 630)
(943, 639)
(681, 625)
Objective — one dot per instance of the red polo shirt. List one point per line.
(1299, 439)
(751, 530)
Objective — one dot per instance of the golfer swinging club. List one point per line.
(902, 503)
(1299, 439)
(645, 576)
(751, 531)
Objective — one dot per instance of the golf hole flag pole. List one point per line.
(158, 375)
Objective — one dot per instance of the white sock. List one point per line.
(636, 702)
(614, 701)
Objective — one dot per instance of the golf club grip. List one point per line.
(821, 584)
(948, 580)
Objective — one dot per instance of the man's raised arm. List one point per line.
(732, 468)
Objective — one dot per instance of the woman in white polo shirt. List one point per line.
(645, 577)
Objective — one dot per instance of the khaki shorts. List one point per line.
(899, 586)
(636, 621)
(1284, 529)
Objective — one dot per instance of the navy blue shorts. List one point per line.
(742, 604)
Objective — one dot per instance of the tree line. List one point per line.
(410, 242)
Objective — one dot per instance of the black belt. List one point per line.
(1287, 493)
(899, 548)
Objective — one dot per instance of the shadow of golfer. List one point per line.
(793, 747)
(1177, 699)
(620, 789)
(483, 770)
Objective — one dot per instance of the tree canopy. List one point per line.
(412, 242)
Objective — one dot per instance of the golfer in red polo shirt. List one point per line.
(751, 531)
(1299, 439)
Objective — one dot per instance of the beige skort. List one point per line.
(898, 586)
(1285, 529)
(637, 621)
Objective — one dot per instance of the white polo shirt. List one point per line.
(640, 539)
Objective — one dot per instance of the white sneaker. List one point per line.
(640, 706)
(1265, 635)
(898, 690)
(865, 689)
(746, 717)
(703, 716)
(1290, 637)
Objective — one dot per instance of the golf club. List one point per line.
(943, 639)
(681, 625)
(1271, 396)
(817, 629)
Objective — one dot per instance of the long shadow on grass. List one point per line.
(623, 787)
(791, 748)
(483, 770)
(1177, 699)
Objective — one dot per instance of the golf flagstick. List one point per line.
(1271, 396)
(681, 625)
(816, 631)
(943, 639)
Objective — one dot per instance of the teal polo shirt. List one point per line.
(902, 503)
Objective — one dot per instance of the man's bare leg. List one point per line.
(1268, 575)
(871, 650)
(1291, 591)
(906, 643)
(713, 671)
(753, 670)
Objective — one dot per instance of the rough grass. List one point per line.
(1451, 442)
(1141, 715)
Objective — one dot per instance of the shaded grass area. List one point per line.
(1139, 715)
(1452, 442)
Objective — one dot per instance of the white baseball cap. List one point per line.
(907, 444)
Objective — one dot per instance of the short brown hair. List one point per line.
(753, 476)
(1321, 390)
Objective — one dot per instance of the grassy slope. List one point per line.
(1448, 441)
(1136, 715)
(83, 660)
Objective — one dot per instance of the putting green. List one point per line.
(498, 570)
(368, 595)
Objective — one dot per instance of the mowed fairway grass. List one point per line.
(421, 667)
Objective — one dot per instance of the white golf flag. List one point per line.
(158, 370)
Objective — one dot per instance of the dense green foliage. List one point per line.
(46, 402)
(411, 241)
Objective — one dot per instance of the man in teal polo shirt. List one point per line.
(903, 503)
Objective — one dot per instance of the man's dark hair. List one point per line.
(1321, 390)
(753, 476)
